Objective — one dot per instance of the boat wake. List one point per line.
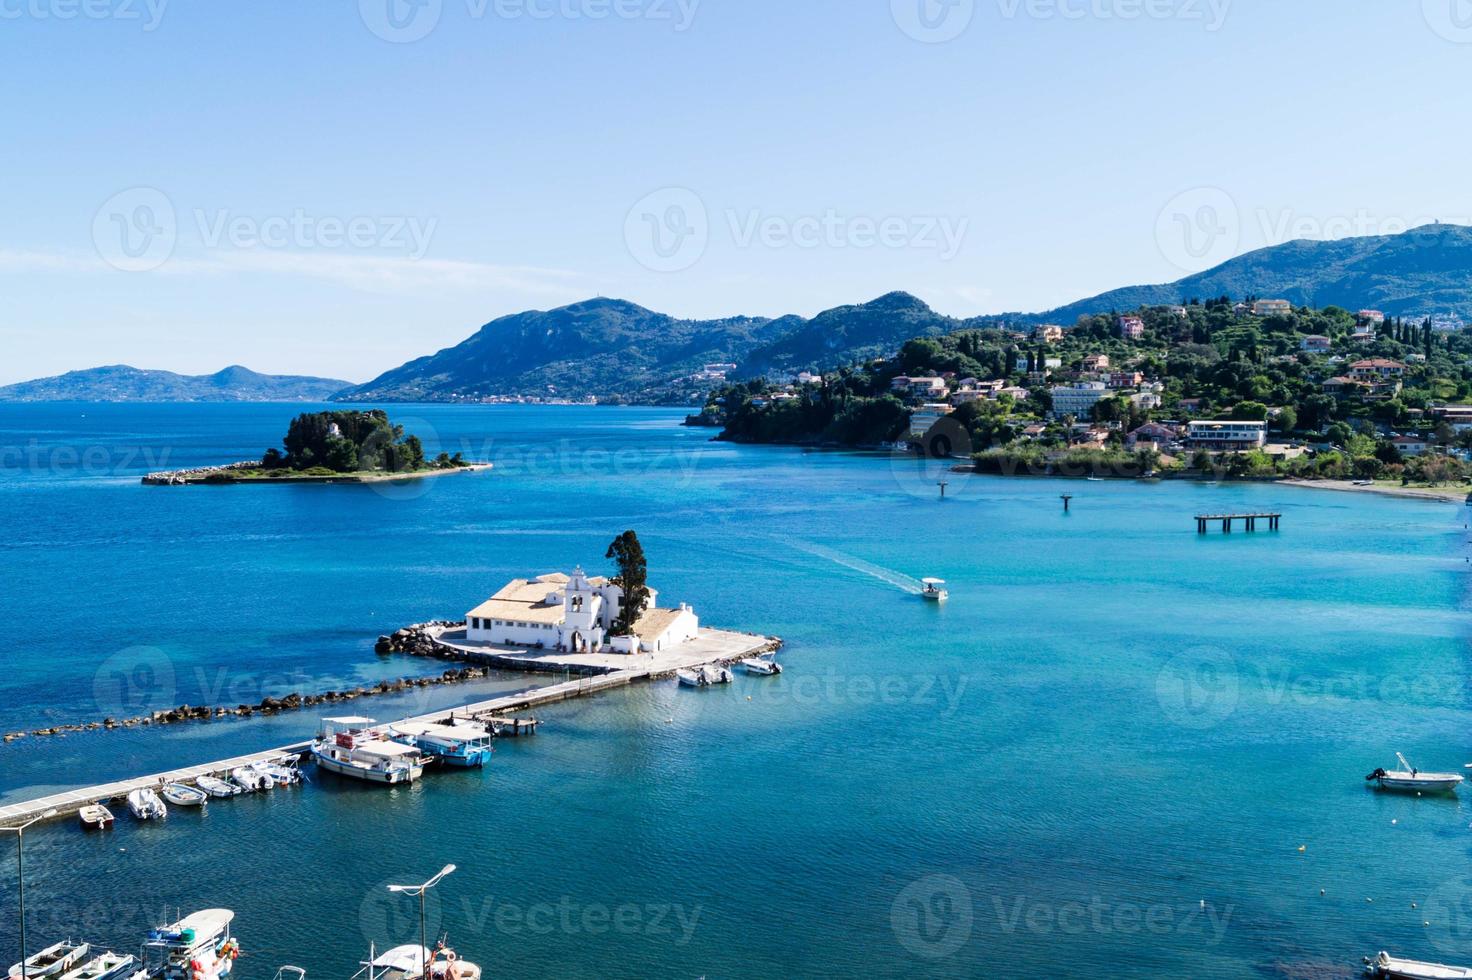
(899, 580)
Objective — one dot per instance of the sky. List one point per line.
(333, 187)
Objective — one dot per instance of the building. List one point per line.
(923, 419)
(920, 387)
(1459, 417)
(1226, 435)
(1077, 400)
(1377, 369)
(1096, 362)
(1272, 307)
(1316, 344)
(1363, 334)
(1410, 445)
(1151, 434)
(1146, 401)
(1048, 333)
(574, 614)
(1131, 328)
(1125, 379)
(1372, 317)
(1177, 311)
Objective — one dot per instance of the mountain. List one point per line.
(120, 383)
(1422, 271)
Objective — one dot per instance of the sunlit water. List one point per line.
(1111, 722)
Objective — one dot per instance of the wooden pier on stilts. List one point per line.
(1249, 521)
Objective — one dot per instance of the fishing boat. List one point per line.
(691, 678)
(407, 963)
(145, 805)
(218, 788)
(246, 778)
(51, 960)
(350, 747)
(716, 674)
(104, 966)
(180, 795)
(197, 947)
(1410, 779)
(761, 666)
(95, 817)
(1389, 967)
(934, 590)
(462, 744)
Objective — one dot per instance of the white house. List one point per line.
(1078, 400)
(574, 614)
(1226, 435)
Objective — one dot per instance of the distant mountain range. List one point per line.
(120, 383)
(614, 349)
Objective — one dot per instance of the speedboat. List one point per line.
(104, 966)
(464, 744)
(276, 774)
(180, 795)
(351, 747)
(692, 678)
(762, 666)
(1389, 967)
(51, 960)
(197, 947)
(407, 963)
(246, 778)
(218, 788)
(95, 817)
(934, 590)
(716, 674)
(145, 805)
(1410, 779)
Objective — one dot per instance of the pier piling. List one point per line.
(1249, 521)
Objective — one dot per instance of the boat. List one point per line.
(217, 787)
(180, 795)
(464, 744)
(51, 960)
(407, 963)
(246, 778)
(95, 817)
(1410, 779)
(1389, 967)
(197, 947)
(691, 678)
(276, 773)
(934, 590)
(761, 666)
(104, 966)
(350, 747)
(716, 674)
(145, 805)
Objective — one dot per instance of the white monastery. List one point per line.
(574, 614)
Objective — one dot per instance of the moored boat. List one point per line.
(275, 773)
(761, 666)
(691, 678)
(51, 960)
(104, 966)
(1410, 779)
(197, 947)
(464, 744)
(1387, 967)
(934, 590)
(351, 747)
(407, 963)
(95, 817)
(217, 787)
(246, 778)
(180, 795)
(145, 805)
(716, 674)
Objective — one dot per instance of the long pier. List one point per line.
(722, 647)
(1249, 521)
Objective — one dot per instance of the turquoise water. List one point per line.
(1113, 720)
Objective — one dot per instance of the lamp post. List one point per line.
(420, 890)
(20, 871)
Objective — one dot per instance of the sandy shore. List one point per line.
(1446, 495)
(223, 477)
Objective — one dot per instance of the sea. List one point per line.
(1121, 749)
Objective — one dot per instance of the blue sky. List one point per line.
(335, 186)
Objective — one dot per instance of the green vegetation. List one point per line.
(325, 444)
(633, 577)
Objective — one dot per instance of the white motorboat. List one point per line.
(104, 966)
(351, 747)
(145, 805)
(246, 778)
(692, 678)
(276, 774)
(407, 963)
(180, 795)
(716, 674)
(761, 666)
(1410, 779)
(51, 960)
(934, 590)
(1387, 967)
(218, 788)
(95, 817)
(197, 947)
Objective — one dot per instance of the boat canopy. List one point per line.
(408, 959)
(205, 924)
(933, 581)
(386, 749)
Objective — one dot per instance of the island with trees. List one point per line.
(353, 446)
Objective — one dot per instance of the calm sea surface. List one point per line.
(1120, 750)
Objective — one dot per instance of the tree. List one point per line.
(1250, 411)
(628, 555)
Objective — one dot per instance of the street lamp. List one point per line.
(20, 871)
(415, 890)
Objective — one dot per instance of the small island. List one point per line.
(331, 447)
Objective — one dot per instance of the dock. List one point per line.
(713, 646)
(1249, 521)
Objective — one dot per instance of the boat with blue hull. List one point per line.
(464, 744)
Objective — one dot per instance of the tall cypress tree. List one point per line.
(628, 554)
